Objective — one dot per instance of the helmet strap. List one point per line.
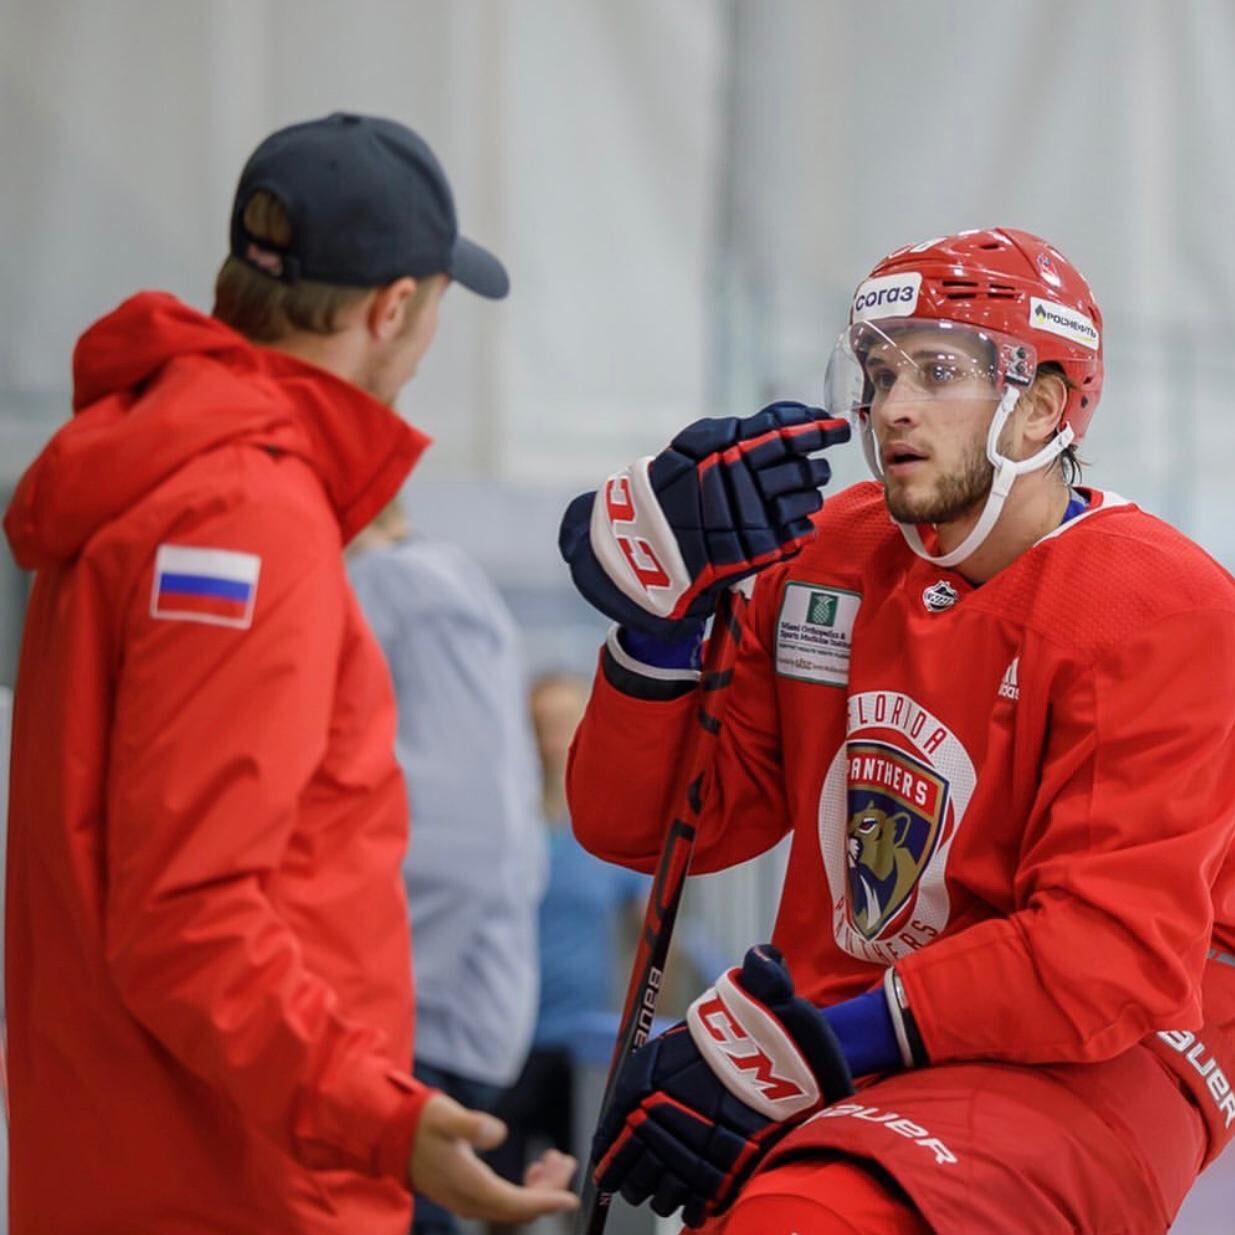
(1006, 472)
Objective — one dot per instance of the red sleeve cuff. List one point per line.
(394, 1150)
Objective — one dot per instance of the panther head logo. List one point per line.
(882, 867)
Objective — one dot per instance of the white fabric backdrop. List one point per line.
(684, 195)
(580, 138)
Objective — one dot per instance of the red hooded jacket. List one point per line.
(208, 964)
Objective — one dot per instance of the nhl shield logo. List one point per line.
(940, 596)
(896, 811)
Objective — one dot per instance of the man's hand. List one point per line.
(444, 1167)
(695, 1109)
(727, 498)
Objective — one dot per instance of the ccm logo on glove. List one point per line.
(750, 1052)
(635, 544)
(639, 554)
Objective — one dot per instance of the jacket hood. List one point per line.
(155, 384)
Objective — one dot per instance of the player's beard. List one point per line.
(952, 497)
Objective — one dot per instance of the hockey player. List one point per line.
(1000, 729)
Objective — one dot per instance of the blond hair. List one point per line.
(258, 305)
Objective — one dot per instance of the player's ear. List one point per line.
(388, 307)
(1044, 403)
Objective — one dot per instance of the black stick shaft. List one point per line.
(667, 887)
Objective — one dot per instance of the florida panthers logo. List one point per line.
(892, 801)
(896, 805)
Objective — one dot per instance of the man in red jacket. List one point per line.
(209, 996)
(995, 710)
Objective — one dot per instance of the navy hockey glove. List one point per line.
(695, 1109)
(727, 498)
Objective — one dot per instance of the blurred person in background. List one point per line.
(475, 866)
(210, 1009)
(581, 924)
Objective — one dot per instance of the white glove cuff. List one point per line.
(634, 542)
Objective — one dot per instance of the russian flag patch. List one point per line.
(217, 586)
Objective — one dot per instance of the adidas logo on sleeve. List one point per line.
(1010, 687)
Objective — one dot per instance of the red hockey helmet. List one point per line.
(1011, 304)
(1002, 280)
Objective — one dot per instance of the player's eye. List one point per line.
(941, 372)
(882, 378)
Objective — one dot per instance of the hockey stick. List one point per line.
(671, 871)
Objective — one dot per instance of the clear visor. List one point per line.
(922, 359)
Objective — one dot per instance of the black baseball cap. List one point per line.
(368, 203)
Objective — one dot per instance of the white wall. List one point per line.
(580, 138)
(684, 194)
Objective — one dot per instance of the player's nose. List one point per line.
(899, 405)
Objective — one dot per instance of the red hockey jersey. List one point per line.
(1021, 794)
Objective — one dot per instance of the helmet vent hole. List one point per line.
(1084, 400)
(991, 244)
(958, 283)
